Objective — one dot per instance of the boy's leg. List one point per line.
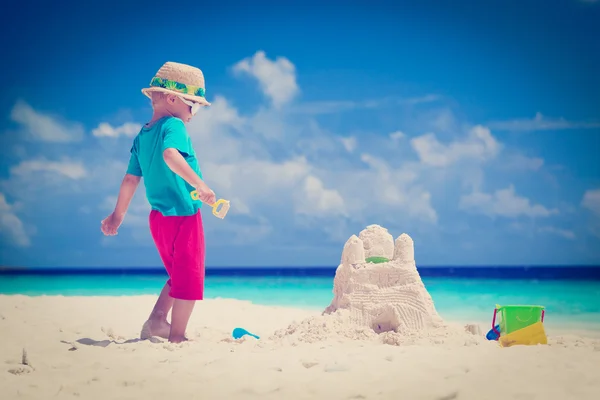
(157, 324)
(187, 279)
(163, 231)
(163, 305)
(182, 310)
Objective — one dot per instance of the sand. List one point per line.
(87, 348)
(387, 296)
(380, 338)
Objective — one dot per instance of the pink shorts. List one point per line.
(180, 243)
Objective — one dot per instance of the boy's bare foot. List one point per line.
(152, 327)
(178, 339)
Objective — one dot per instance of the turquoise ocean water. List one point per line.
(572, 304)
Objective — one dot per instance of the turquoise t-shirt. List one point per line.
(166, 191)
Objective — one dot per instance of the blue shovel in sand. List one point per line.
(239, 332)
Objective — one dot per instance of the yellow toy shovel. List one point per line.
(217, 213)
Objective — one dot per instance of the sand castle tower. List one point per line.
(378, 283)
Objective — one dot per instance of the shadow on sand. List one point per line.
(107, 342)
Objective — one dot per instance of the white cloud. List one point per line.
(504, 203)
(66, 168)
(105, 129)
(428, 98)
(521, 162)
(443, 120)
(269, 123)
(349, 143)
(45, 127)
(220, 135)
(257, 181)
(264, 171)
(395, 136)
(277, 78)
(34, 179)
(591, 201)
(559, 232)
(541, 123)
(250, 232)
(241, 207)
(273, 184)
(326, 107)
(220, 114)
(340, 106)
(316, 199)
(391, 189)
(11, 226)
(240, 166)
(480, 145)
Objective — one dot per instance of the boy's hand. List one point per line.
(111, 224)
(205, 194)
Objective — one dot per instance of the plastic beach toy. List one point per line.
(223, 211)
(377, 260)
(530, 335)
(240, 332)
(492, 335)
(518, 325)
(513, 318)
(217, 213)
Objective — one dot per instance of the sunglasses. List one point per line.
(194, 107)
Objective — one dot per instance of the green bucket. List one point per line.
(513, 318)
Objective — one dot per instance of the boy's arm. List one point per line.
(177, 164)
(132, 178)
(176, 144)
(111, 224)
(129, 185)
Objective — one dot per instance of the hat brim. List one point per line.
(197, 99)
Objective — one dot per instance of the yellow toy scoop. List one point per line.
(216, 212)
(223, 211)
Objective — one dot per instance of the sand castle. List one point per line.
(378, 295)
(378, 283)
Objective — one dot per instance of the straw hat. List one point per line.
(180, 79)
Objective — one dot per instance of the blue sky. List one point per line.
(472, 126)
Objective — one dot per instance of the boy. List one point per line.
(162, 153)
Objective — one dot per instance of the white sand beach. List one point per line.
(86, 347)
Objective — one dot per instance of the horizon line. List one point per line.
(153, 267)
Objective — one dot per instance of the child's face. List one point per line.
(181, 108)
